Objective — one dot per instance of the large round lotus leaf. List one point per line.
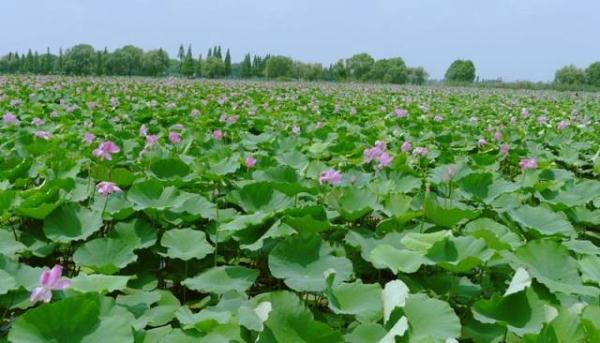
(522, 312)
(549, 262)
(186, 244)
(71, 222)
(104, 255)
(430, 319)
(367, 307)
(447, 212)
(301, 262)
(290, 321)
(169, 168)
(153, 194)
(542, 220)
(99, 283)
(136, 233)
(263, 197)
(86, 319)
(222, 279)
(459, 254)
(355, 203)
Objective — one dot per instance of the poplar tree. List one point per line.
(227, 63)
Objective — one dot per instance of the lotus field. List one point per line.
(140, 210)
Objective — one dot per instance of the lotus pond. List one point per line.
(181, 211)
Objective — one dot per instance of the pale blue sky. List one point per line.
(512, 39)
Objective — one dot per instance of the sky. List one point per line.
(508, 39)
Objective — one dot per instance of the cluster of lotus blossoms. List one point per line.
(378, 153)
(330, 176)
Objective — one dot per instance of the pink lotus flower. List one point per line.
(37, 121)
(372, 154)
(498, 135)
(381, 145)
(105, 150)
(195, 113)
(405, 146)
(528, 163)
(438, 118)
(352, 111)
(174, 137)
(330, 176)
(296, 130)
(482, 141)
(542, 119)
(563, 124)
(473, 120)
(143, 130)
(513, 120)
(319, 124)
(10, 118)
(250, 161)
(384, 160)
(400, 113)
(54, 114)
(151, 140)
(49, 280)
(449, 174)
(217, 134)
(42, 134)
(88, 138)
(420, 151)
(233, 119)
(504, 149)
(105, 188)
(524, 113)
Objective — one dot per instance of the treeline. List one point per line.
(129, 60)
(571, 76)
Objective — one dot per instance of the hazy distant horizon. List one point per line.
(511, 39)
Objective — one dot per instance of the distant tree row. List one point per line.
(129, 60)
(570, 75)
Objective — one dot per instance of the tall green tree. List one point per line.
(339, 71)
(187, 69)
(392, 70)
(213, 67)
(359, 65)
(417, 76)
(125, 61)
(79, 60)
(60, 62)
(246, 67)
(227, 63)
(155, 62)
(278, 67)
(592, 74)
(461, 71)
(569, 75)
(180, 56)
(199, 66)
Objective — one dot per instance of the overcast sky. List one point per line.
(512, 39)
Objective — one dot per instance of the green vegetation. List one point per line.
(175, 210)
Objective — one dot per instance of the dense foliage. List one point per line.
(462, 71)
(184, 211)
(129, 60)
